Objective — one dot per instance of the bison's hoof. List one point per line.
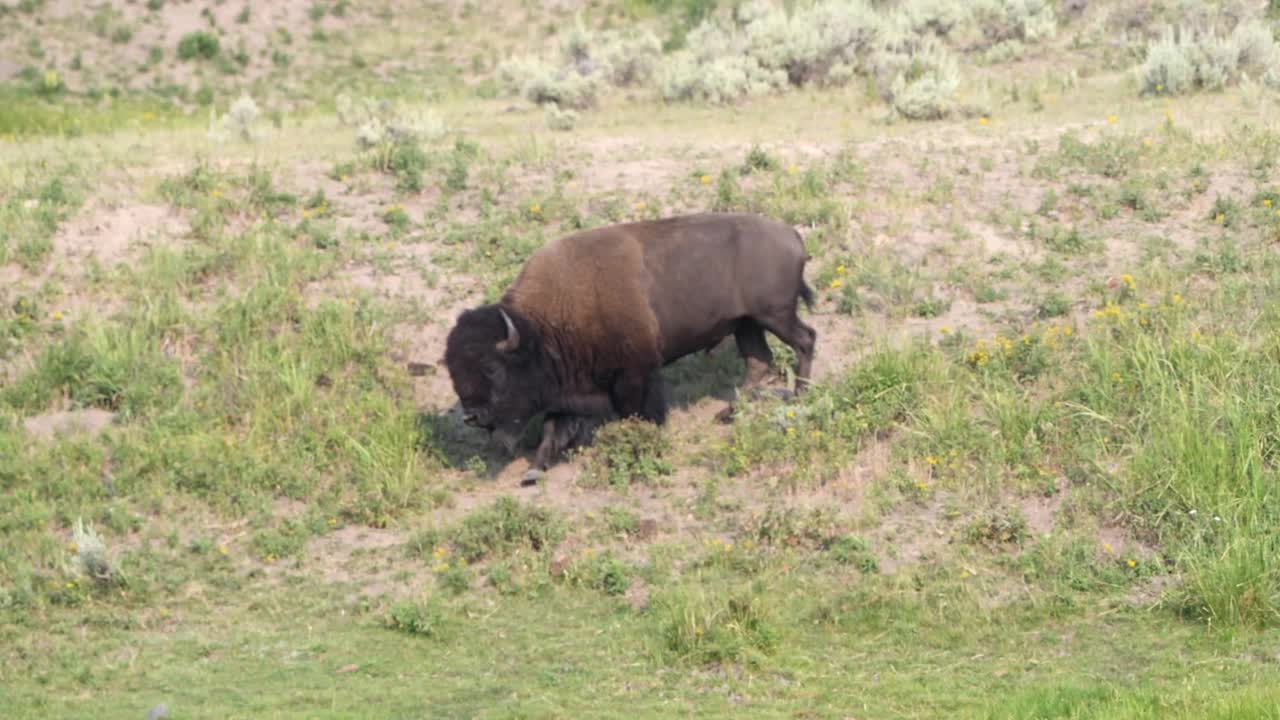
(530, 478)
(725, 416)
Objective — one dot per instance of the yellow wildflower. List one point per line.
(706, 179)
(222, 549)
(1115, 377)
(1131, 562)
(1159, 87)
(56, 315)
(1106, 547)
(836, 283)
(840, 269)
(1111, 119)
(640, 205)
(1127, 279)
(1266, 202)
(944, 330)
(148, 116)
(1067, 330)
(983, 120)
(535, 209)
(1221, 218)
(791, 414)
(791, 431)
(791, 169)
(71, 547)
(216, 194)
(931, 460)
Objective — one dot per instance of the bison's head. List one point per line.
(494, 360)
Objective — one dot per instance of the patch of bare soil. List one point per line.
(68, 422)
(912, 534)
(106, 234)
(350, 553)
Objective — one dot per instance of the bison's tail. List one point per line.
(806, 294)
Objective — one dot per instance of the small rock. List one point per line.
(418, 369)
(158, 712)
(557, 567)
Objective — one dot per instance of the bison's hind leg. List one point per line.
(793, 331)
(753, 346)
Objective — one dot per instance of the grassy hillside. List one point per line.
(1036, 476)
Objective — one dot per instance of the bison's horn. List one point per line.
(513, 336)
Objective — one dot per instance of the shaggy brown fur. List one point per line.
(592, 317)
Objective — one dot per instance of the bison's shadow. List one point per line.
(689, 380)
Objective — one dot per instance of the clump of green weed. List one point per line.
(758, 160)
(505, 525)
(198, 45)
(1225, 211)
(429, 620)
(814, 529)
(852, 550)
(277, 543)
(621, 521)
(396, 218)
(931, 307)
(816, 434)
(460, 159)
(706, 629)
(32, 214)
(114, 367)
(998, 526)
(604, 572)
(454, 577)
(1053, 305)
(628, 451)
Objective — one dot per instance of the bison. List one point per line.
(593, 317)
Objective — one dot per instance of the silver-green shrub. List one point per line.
(587, 63)
(1181, 61)
(560, 120)
(1168, 68)
(379, 122)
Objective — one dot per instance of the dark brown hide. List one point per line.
(599, 312)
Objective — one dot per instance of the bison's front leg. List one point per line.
(640, 393)
(546, 449)
(559, 432)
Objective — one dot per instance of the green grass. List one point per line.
(1034, 477)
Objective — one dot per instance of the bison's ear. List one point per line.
(512, 341)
